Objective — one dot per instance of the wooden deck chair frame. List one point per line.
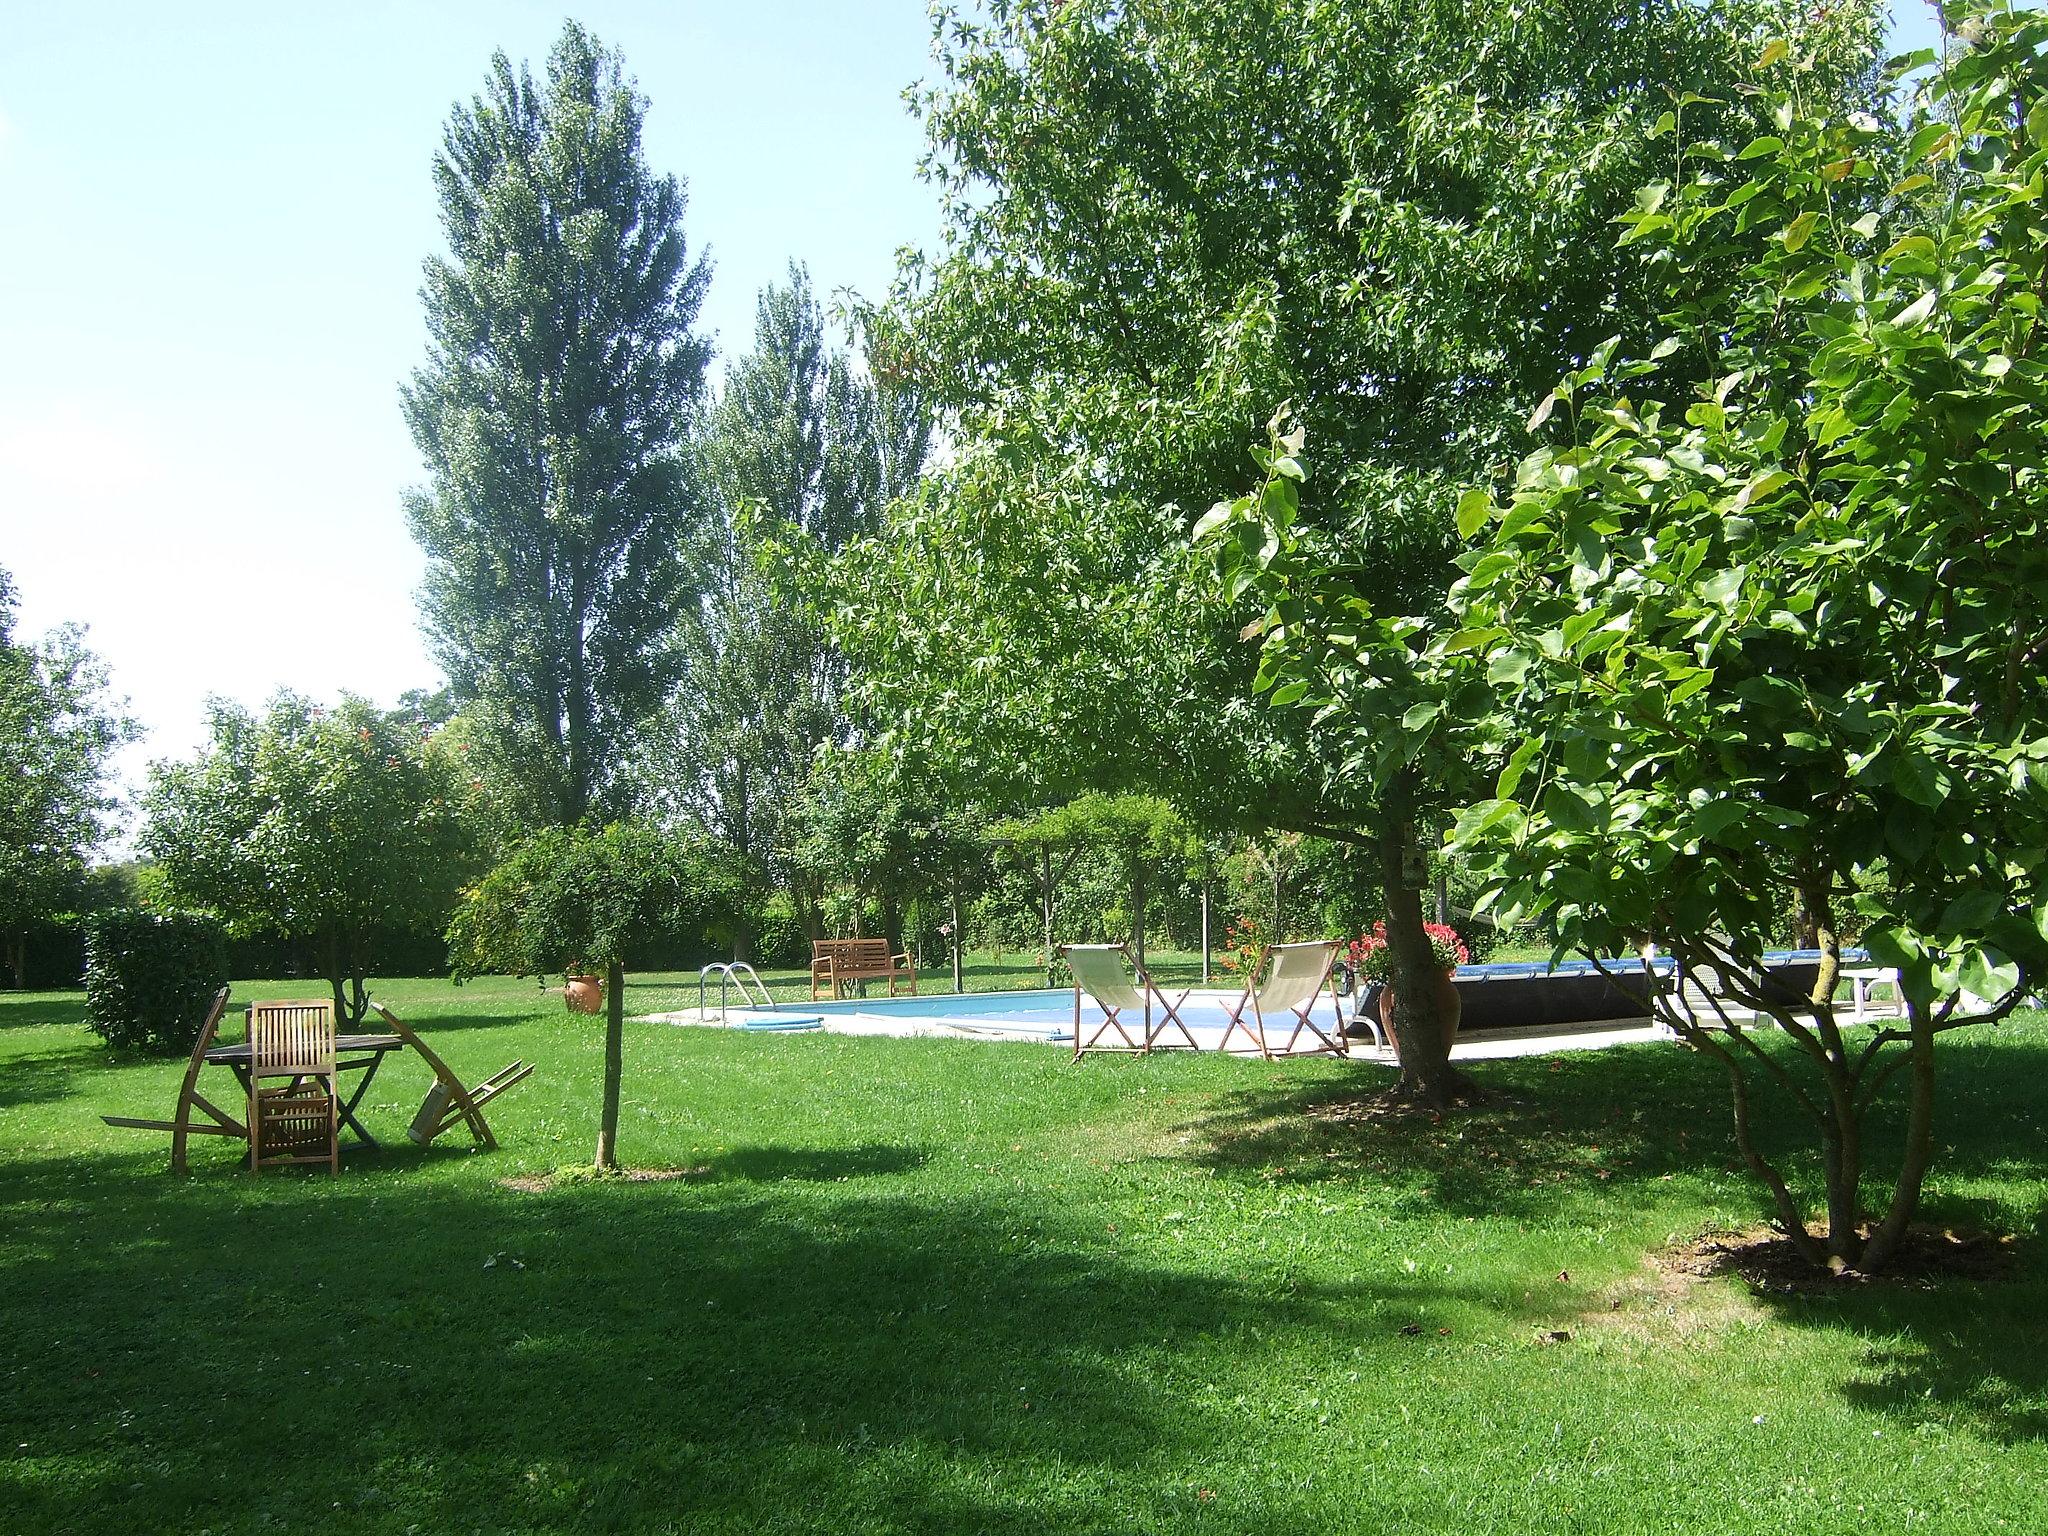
(182, 1125)
(448, 1102)
(1270, 998)
(1121, 997)
(296, 1120)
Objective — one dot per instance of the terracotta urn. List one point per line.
(1448, 1007)
(584, 994)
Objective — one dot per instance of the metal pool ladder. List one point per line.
(735, 973)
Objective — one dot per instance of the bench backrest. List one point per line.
(851, 953)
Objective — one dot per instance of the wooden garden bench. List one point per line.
(836, 962)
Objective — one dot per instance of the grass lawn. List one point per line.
(914, 1286)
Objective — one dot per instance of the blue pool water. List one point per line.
(951, 1005)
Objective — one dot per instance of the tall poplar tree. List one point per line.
(804, 449)
(551, 411)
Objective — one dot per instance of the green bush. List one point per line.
(779, 938)
(150, 976)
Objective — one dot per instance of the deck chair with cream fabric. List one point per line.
(1293, 982)
(1099, 972)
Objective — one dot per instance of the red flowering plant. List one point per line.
(1243, 945)
(1371, 962)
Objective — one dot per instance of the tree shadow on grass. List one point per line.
(771, 1165)
(36, 1010)
(604, 1355)
(1608, 1128)
(1572, 1126)
(1601, 1123)
(41, 1079)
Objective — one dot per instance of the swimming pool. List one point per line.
(1043, 1014)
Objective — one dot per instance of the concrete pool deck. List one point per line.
(1047, 1019)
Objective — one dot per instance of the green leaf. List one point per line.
(1508, 668)
(1919, 779)
(1517, 765)
(1756, 149)
(1475, 507)
(1469, 640)
(1969, 912)
(1915, 314)
(1800, 230)
(1909, 833)
(1776, 51)
(1932, 139)
(1987, 974)
(1211, 520)
(1723, 587)
(1716, 817)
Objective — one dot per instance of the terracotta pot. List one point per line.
(584, 994)
(1448, 1007)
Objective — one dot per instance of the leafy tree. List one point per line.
(800, 452)
(58, 731)
(1166, 217)
(336, 825)
(551, 412)
(1047, 843)
(574, 898)
(863, 822)
(1784, 631)
(953, 861)
(1138, 832)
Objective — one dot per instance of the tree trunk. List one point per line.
(1842, 1127)
(1205, 924)
(18, 959)
(953, 917)
(576, 804)
(1137, 897)
(614, 1045)
(1891, 1232)
(1427, 1077)
(344, 963)
(892, 923)
(1045, 883)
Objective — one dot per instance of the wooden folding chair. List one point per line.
(295, 1118)
(448, 1103)
(1292, 986)
(181, 1125)
(1099, 971)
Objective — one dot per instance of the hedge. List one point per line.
(150, 976)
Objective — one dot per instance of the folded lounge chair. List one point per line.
(1099, 971)
(1292, 984)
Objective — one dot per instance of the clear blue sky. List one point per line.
(209, 283)
(215, 217)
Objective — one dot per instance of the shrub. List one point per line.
(779, 938)
(149, 976)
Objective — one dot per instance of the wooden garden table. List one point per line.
(448, 1103)
(353, 1053)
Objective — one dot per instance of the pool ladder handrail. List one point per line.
(738, 973)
